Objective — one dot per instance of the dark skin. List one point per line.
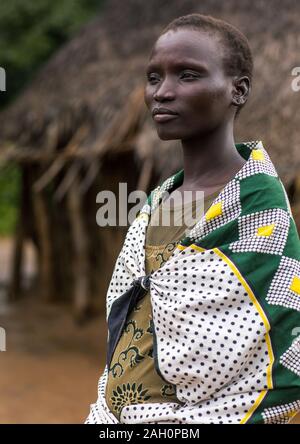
(185, 73)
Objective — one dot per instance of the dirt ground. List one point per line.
(51, 366)
(50, 369)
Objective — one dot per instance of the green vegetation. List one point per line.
(31, 30)
(9, 198)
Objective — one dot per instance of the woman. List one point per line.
(202, 316)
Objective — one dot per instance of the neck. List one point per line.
(211, 160)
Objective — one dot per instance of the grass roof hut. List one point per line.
(81, 126)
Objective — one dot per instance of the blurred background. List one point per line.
(73, 123)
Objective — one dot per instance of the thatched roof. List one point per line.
(88, 99)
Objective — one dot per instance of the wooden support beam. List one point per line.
(45, 250)
(81, 301)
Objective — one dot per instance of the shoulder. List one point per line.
(262, 192)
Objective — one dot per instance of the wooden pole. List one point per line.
(15, 284)
(45, 251)
(80, 257)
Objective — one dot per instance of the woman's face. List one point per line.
(185, 75)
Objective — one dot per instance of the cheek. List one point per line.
(210, 98)
(221, 96)
(147, 96)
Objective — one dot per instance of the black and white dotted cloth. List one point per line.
(212, 336)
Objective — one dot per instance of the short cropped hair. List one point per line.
(237, 60)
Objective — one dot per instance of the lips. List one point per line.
(164, 117)
(163, 111)
(163, 114)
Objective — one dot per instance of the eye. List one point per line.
(189, 75)
(152, 78)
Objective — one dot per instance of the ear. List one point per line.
(241, 90)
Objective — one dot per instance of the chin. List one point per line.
(169, 135)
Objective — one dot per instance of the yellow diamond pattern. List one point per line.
(257, 155)
(266, 230)
(295, 285)
(214, 211)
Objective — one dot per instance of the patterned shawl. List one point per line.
(225, 305)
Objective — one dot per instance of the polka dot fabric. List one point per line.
(249, 238)
(291, 358)
(281, 414)
(99, 411)
(201, 310)
(229, 199)
(281, 291)
(260, 164)
(227, 409)
(130, 262)
(224, 305)
(208, 330)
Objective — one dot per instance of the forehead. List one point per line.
(187, 44)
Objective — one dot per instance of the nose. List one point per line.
(164, 92)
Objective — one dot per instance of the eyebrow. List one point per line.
(181, 64)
